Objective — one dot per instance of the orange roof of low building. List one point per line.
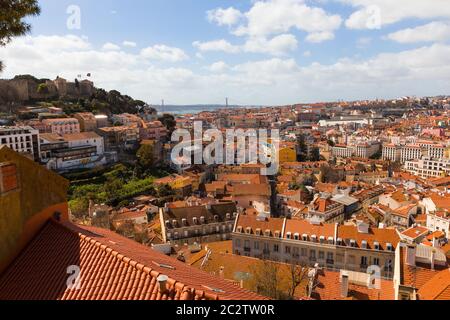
(305, 227)
(415, 232)
(111, 268)
(382, 236)
(329, 288)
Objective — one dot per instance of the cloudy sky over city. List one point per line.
(269, 52)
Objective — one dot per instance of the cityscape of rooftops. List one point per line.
(249, 151)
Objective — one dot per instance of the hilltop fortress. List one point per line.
(27, 88)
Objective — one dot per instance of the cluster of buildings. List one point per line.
(83, 140)
(361, 201)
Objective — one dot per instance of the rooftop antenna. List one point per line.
(226, 102)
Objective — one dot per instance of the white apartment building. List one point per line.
(408, 152)
(411, 152)
(439, 221)
(84, 139)
(361, 150)
(21, 139)
(331, 246)
(427, 167)
(391, 152)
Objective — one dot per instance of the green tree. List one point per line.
(302, 147)
(12, 14)
(169, 122)
(315, 154)
(42, 88)
(145, 156)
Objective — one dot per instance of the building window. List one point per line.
(376, 261)
(276, 248)
(256, 245)
(303, 252)
(287, 250)
(8, 177)
(364, 261)
(238, 243)
(321, 255)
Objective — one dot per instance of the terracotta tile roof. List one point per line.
(112, 268)
(437, 288)
(251, 190)
(304, 227)
(415, 232)
(414, 276)
(80, 136)
(272, 224)
(382, 236)
(329, 288)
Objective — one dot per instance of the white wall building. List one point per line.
(21, 139)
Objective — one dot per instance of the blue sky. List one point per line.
(266, 52)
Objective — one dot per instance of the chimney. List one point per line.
(344, 286)
(411, 255)
(432, 257)
(162, 283)
(221, 272)
(435, 242)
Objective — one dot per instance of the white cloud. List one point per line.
(279, 16)
(307, 54)
(423, 71)
(227, 17)
(278, 45)
(218, 66)
(317, 37)
(216, 45)
(363, 42)
(392, 11)
(130, 44)
(431, 32)
(164, 53)
(110, 47)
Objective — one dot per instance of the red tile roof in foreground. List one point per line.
(438, 288)
(329, 288)
(112, 268)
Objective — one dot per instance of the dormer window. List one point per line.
(168, 223)
(288, 235)
(202, 220)
(258, 232)
(228, 216)
(184, 222)
(314, 238)
(322, 239)
(216, 217)
(234, 214)
(239, 229)
(364, 244)
(195, 220)
(305, 237)
(352, 243)
(330, 240)
(339, 241)
(267, 233)
(376, 245)
(174, 223)
(277, 234)
(248, 230)
(389, 247)
(296, 236)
